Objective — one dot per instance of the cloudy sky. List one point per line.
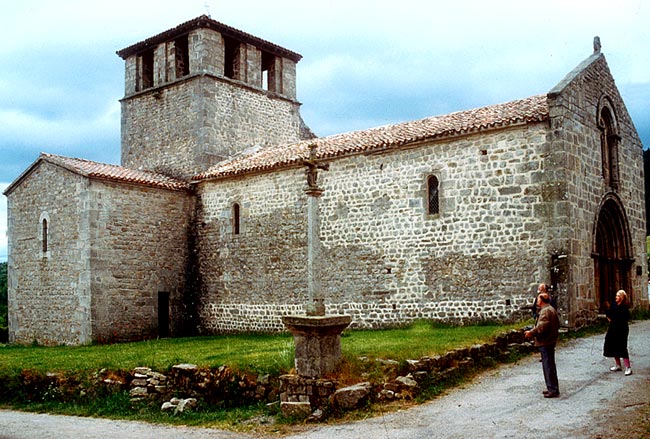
(365, 62)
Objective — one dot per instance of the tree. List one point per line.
(3, 301)
(3, 283)
(646, 173)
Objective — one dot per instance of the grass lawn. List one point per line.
(254, 353)
(420, 339)
(258, 353)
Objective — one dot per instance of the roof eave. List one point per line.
(376, 149)
(9, 189)
(573, 74)
(206, 22)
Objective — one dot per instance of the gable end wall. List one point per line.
(575, 158)
(49, 293)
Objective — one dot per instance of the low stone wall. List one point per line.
(299, 396)
(219, 385)
(186, 386)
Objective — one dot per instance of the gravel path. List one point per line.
(503, 403)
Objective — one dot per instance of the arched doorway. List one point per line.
(612, 252)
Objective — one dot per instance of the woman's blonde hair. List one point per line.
(626, 301)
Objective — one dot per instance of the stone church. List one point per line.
(202, 229)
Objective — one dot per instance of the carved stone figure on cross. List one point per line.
(312, 167)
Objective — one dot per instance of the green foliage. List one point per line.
(3, 283)
(641, 314)
(646, 174)
(3, 302)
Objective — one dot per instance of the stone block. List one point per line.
(299, 410)
(352, 397)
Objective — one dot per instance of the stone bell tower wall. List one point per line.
(202, 92)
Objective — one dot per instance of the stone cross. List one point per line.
(315, 302)
(597, 45)
(317, 336)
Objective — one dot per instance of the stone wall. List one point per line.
(111, 249)
(575, 160)
(183, 129)
(139, 249)
(49, 291)
(384, 260)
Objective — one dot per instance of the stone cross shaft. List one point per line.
(315, 302)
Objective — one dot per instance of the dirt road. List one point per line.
(503, 403)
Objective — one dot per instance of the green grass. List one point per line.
(420, 339)
(120, 406)
(254, 353)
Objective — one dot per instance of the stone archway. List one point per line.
(612, 252)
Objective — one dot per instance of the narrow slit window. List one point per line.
(236, 218)
(44, 231)
(433, 190)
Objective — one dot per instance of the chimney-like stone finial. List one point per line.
(596, 44)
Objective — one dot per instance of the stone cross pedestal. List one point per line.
(318, 343)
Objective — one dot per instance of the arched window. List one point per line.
(433, 191)
(236, 218)
(609, 140)
(44, 234)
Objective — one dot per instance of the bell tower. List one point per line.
(202, 92)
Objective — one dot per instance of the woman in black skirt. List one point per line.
(616, 338)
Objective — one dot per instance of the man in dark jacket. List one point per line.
(546, 330)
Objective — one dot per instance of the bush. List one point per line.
(640, 313)
(3, 303)
(3, 283)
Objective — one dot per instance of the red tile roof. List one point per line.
(206, 22)
(529, 110)
(116, 173)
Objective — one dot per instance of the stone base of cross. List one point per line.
(318, 343)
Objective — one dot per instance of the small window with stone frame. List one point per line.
(44, 234)
(236, 219)
(44, 231)
(433, 195)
